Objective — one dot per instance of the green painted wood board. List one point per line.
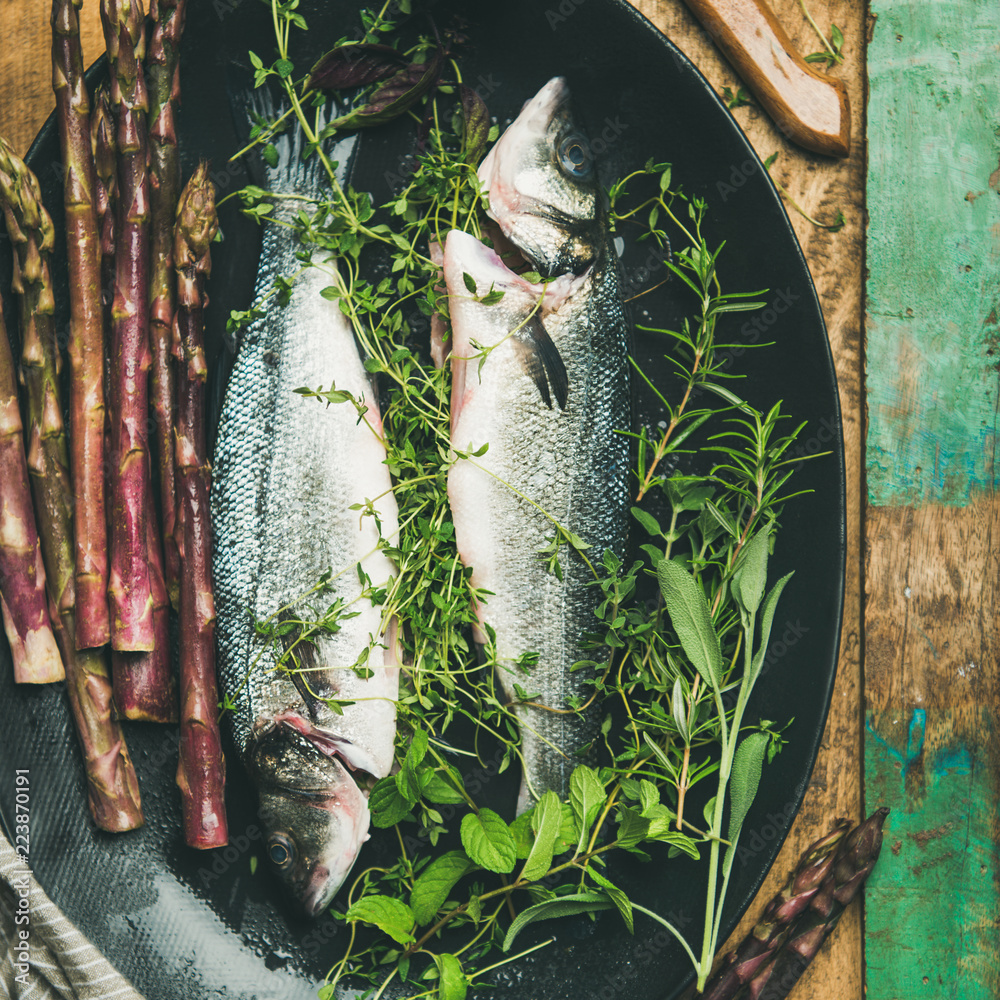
(930, 905)
(933, 250)
(932, 360)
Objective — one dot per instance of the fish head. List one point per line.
(314, 814)
(542, 185)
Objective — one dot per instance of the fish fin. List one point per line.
(542, 361)
(288, 172)
(310, 680)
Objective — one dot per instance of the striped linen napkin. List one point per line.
(42, 955)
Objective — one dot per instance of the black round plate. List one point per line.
(183, 924)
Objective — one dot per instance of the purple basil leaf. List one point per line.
(354, 66)
(396, 95)
(475, 124)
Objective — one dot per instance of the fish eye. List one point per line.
(574, 156)
(281, 851)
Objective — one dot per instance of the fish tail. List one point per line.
(292, 168)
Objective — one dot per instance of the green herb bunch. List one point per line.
(673, 675)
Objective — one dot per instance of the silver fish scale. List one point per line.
(574, 466)
(287, 470)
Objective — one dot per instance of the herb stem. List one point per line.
(816, 28)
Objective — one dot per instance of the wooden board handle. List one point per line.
(809, 107)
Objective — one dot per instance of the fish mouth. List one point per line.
(498, 170)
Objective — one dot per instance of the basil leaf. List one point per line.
(586, 796)
(389, 915)
(545, 820)
(386, 803)
(488, 841)
(433, 884)
(354, 66)
(475, 124)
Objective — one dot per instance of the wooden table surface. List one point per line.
(912, 719)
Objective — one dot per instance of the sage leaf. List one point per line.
(545, 820)
(766, 621)
(586, 796)
(488, 841)
(616, 895)
(563, 906)
(750, 575)
(386, 803)
(744, 781)
(430, 890)
(389, 915)
(678, 708)
(692, 620)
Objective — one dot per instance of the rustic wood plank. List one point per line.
(931, 676)
(932, 251)
(25, 68)
(931, 754)
(823, 187)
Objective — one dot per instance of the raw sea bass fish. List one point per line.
(287, 470)
(548, 400)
